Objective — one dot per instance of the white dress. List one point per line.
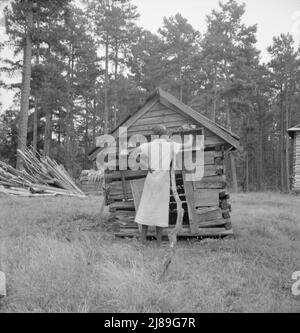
(154, 205)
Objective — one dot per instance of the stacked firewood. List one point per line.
(41, 176)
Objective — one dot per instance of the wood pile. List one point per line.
(89, 184)
(41, 176)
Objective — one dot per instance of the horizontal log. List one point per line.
(209, 171)
(208, 214)
(129, 175)
(206, 198)
(119, 197)
(122, 206)
(214, 182)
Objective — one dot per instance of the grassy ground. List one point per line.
(59, 257)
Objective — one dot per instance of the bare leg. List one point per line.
(159, 231)
(144, 233)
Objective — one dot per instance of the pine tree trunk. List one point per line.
(36, 104)
(48, 134)
(94, 122)
(287, 171)
(282, 148)
(259, 159)
(180, 87)
(35, 123)
(235, 188)
(214, 106)
(232, 159)
(106, 110)
(69, 116)
(116, 89)
(86, 134)
(247, 173)
(25, 93)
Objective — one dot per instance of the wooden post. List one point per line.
(189, 194)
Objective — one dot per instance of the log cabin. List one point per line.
(205, 202)
(294, 133)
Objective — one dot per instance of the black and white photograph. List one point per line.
(149, 159)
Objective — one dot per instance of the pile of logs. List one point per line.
(91, 182)
(41, 176)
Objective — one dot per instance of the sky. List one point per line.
(272, 17)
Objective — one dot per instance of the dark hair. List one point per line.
(159, 130)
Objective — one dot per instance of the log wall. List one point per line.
(297, 162)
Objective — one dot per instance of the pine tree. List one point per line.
(113, 21)
(180, 46)
(285, 71)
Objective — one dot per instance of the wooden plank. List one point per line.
(213, 141)
(158, 120)
(129, 175)
(217, 223)
(206, 198)
(212, 170)
(141, 128)
(149, 132)
(118, 197)
(163, 111)
(117, 187)
(215, 182)
(209, 214)
(189, 194)
(129, 205)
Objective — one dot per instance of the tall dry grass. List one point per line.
(58, 257)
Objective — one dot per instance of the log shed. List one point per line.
(205, 202)
(294, 134)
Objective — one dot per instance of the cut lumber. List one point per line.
(41, 176)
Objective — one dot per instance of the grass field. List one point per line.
(59, 256)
